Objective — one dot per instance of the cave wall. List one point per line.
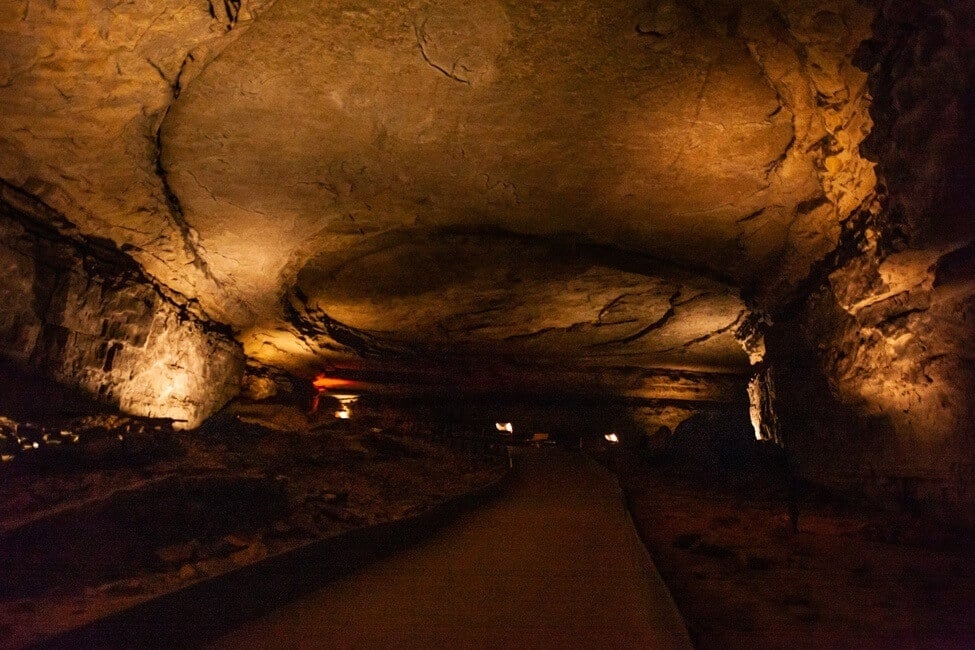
(85, 87)
(872, 367)
(83, 314)
(878, 397)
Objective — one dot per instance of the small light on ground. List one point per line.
(612, 437)
(345, 413)
(504, 426)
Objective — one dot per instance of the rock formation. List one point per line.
(873, 369)
(83, 313)
(562, 189)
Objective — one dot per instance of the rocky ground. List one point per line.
(126, 509)
(850, 576)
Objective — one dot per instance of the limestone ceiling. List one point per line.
(512, 298)
(469, 176)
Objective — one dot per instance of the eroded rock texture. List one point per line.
(228, 147)
(878, 393)
(603, 188)
(500, 297)
(873, 373)
(84, 87)
(84, 314)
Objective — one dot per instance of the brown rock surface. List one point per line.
(227, 147)
(88, 317)
(873, 373)
(85, 86)
(571, 185)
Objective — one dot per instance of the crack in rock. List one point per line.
(230, 12)
(710, 335)
(421, 40)
(655, 325)
(613, 303)
(574, 327)
(313, 323)
(188, 234)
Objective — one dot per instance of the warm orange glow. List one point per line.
(346, 401)
(322, 383)
(325, 384)
(612, 437)
(755, 406)
(504, 426)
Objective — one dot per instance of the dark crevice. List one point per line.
(575, 327)
(313, 324)
(178, 216)
(531, 335)
(421, 40)
(710, 335)
(101, 258)
(655, 325)
(751, 215)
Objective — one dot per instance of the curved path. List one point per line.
(554, 562)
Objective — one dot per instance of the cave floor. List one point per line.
(98, 528)
(850, 577)
(554, 562)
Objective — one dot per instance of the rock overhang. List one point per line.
(719, 137)
(501, 298)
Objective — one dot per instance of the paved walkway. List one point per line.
(553, 563)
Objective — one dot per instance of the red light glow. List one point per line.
(323, 383)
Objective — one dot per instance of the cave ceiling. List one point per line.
(595, 181)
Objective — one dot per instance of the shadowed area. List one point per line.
(304, 225)
(554, 562)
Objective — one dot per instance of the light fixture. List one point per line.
(504, 426)
(344, 413)
(612, 437)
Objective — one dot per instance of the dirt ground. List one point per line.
(850, 576)
(131, 510)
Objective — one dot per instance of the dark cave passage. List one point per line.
(285, 278)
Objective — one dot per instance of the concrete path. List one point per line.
(553, 563)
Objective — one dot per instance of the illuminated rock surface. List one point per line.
(237, 148)
(574, 186)
(89, 318)
(879, 358)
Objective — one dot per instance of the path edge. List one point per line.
(647, 557)
(203, 610)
